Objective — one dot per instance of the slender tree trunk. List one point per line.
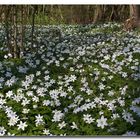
(60, 13)
(15, 31)
(21, 32)
(43, 9)
(33, 26)
(71, 15)
(7, 27)
(98, 13)
(51, 11)
(87, 14)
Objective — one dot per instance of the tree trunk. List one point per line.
(7, 27)
(33, 26)
(134, 20)
(98, 13)
(21, 49)
(135, 13)
(15, 30)
(60, 13)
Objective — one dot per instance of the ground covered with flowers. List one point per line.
(85, 81)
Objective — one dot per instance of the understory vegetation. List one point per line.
(77, 80)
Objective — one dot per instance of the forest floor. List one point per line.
(84, 81)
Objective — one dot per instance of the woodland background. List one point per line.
(15, 18)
